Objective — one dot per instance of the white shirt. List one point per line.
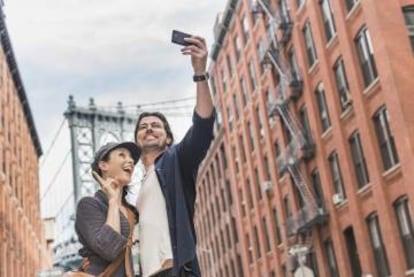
(154, 235)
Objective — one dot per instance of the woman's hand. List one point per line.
(110, 187)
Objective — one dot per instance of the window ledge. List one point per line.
(332, 42)
(365, 191)
(392, 173)
(354, 10)
(410, 272)
(346, 114)
(301, 7)
(327, 134)
(342, 204)
(372, 88)
(312, 69)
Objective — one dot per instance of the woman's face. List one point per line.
(119, 166)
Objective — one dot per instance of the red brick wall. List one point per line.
(393, 88)
(21, 235)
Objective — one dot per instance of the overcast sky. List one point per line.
(109, 50)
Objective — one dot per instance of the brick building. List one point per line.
(21, 235)
(314, 152)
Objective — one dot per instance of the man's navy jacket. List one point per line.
(177, 170)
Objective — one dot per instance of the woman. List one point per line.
(102, 221)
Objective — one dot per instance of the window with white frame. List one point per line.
(358, 159)
(323, 108)
(406, 227)
(310, 45)
(378, 247)
(336, 174)
(342, 84)
(328, 19)
(409, 22)
(385, 138)
(366, 56)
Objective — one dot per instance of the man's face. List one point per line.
(119, 166)
(151, 134)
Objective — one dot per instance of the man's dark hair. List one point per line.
(163, 120)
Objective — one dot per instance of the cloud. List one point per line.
(109, 50)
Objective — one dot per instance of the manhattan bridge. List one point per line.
(91, 127)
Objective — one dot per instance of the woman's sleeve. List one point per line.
(98, 237)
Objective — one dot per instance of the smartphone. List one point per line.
(178, 38)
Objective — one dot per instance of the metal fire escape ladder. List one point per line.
(301, 184)
(310, 213)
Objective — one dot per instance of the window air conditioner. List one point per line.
(337, 198)
(266, 186)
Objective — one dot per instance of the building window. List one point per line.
(342, 84)
(277, 227)
(317, 188)
(409, 21)
(249, 194)
(406, 227)
(258, 187)
(288, 210)
(304, 121)
(323, 108)
(310, 45)
(350, 4)
(359, 160)
(230, 65)
(385, 138)
(353, 254)
(243, 151)
(224, 81)
(294, 67)
(267, 237)
(366, 56)
(236, 105)
(244, 90)
(237, 47)
(284, 11)
(267, 169)
(240, 265)
(245, 25)
(336, 174)
(252, 75)
(328, 19)
(251, 130)
(249, 248)
(330, 256)
(260, 55)
(257, 242)
(229, 118)
(260, 122)
(378, 246)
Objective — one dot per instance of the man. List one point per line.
(166, 198)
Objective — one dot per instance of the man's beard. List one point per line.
(156, 147)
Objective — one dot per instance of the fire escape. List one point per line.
(289, 89)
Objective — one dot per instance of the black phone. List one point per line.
(178, 38)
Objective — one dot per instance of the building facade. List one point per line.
(313, 159)
(22, 244)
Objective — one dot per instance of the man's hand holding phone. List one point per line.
(195, 46)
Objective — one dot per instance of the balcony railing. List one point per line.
(306, 218)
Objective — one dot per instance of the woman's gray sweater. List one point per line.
(101, 244)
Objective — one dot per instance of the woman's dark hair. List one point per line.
(129, 206)
(164, 121)
(104, 159)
